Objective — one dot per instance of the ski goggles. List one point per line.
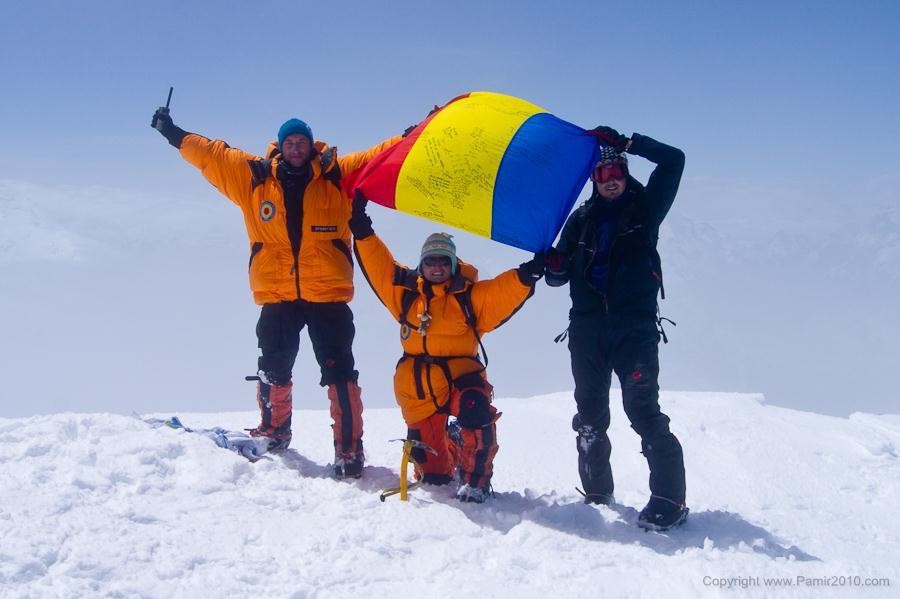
(436, 261)
(609, 171)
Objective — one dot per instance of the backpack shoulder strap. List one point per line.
(406, 278)
(331, 168)
(260, 170)
(465, 303)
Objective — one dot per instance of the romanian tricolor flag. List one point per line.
(490, 164)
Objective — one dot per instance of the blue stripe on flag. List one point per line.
(542, 172)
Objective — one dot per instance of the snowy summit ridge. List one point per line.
(104, 505)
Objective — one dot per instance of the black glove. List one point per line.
(162, 122)
(556, 268)
(360, 223)
(412, 128)
(161, 119)
(611, 137)
(530, 272)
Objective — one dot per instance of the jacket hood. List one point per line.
(320, 149)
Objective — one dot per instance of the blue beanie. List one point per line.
(292, 126)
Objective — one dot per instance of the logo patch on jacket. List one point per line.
(323, 228)
(266, 211)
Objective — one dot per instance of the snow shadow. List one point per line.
(618, 524)
(374, 478)
(304, 466)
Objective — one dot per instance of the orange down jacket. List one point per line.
(322, 269)
(447, 348)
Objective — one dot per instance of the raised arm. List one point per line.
(375, 259)
(357, 160)
(663, 183)
(496, 300)
(225, 167)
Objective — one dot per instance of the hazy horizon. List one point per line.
(123, 279)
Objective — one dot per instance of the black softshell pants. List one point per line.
(331, 332)
(601, 344)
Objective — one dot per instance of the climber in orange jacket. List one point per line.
(301, 268)
(443, 311)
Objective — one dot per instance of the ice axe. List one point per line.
(405, 485)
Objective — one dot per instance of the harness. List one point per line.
(407, 279)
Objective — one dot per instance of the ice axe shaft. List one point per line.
(405, 486)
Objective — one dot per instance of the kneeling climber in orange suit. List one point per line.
(443, 310)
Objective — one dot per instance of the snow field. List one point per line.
(103, 505)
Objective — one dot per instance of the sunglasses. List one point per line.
(609, 171)
(436, 261)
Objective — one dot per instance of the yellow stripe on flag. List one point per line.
(450, 172)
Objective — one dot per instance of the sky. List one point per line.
(781, 252)
(721, 81)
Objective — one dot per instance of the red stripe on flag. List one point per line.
(378, 180)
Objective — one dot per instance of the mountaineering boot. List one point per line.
(476, 459)
(275, 406)
(347, 426)
(599, 499)
(349, 464)
(662, 514)
(346, 414)
(470, 494)
(666, 507)
(666, 461)
(593, 462)
(435, 454)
